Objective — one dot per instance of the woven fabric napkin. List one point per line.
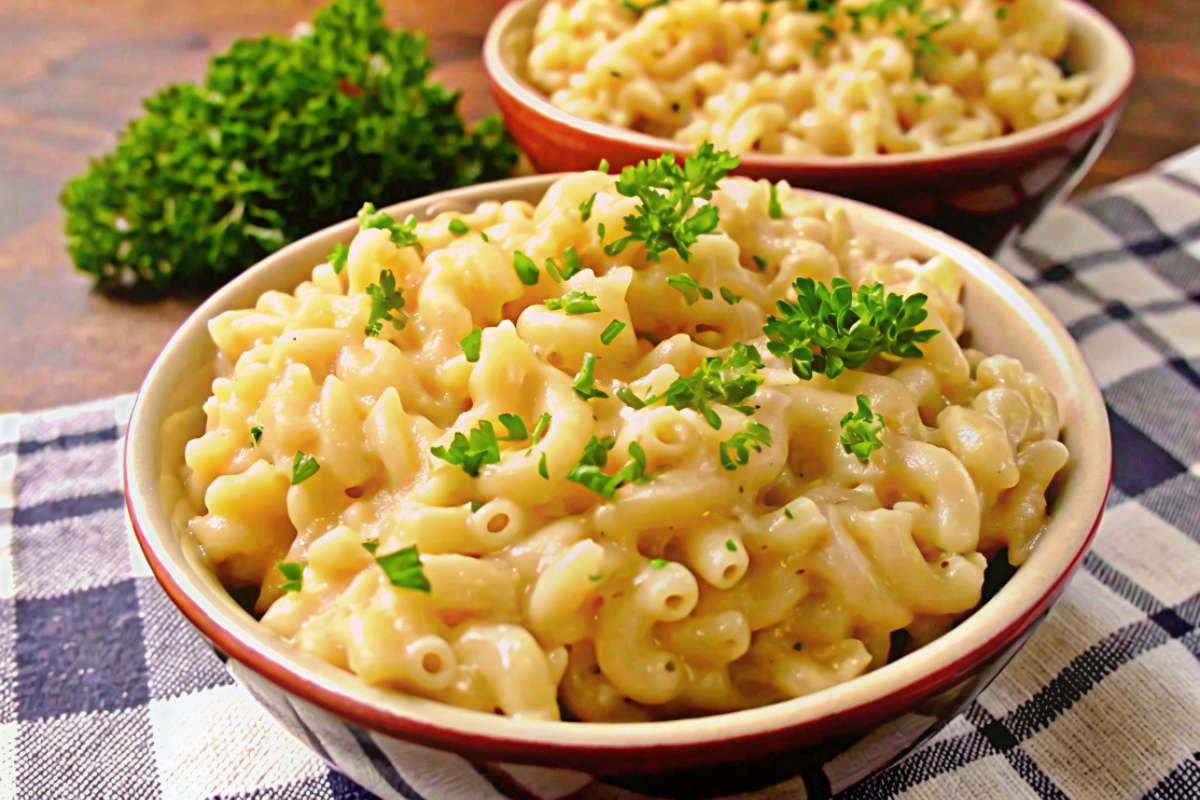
(106, 692)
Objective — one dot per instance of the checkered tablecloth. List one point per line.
(106, 692)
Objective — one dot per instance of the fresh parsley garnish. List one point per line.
(727, 382)
(755, 45)
(861, 429)
(760, 262)
(526, 270)
(385, 298)
(752, 437)
(539, 430)
(543, 470)
(256, 433)
(658, 563)
(304, 467)
(640, 9)
(627, 396)
(458, 227)
(337, 259)
(572, 263)
(787, 512)
(730, 546)
(602, 166)
(774, 210)
(1002, 13)
(475, 505)
(371, 546)
(828, 34)
(828, 330)
(403, 569)
(585, 383)
(689, 287)
(284, 135)
(649, 337)
(668, 193)
(574, 303)
(294, 573)
(515, 427)
(729, 297)
(471, 453)
(585, 208)
(404, 234)
(483, 235)
(589, 471)
(471, 344)
(612, 331)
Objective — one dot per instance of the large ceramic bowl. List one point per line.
(979, 193)
(354, 726)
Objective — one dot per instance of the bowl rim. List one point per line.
(1099, 103)
(933, 668)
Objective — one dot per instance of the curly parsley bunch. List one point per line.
(285, 137)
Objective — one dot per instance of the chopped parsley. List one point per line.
(543, 470)
(294, 573)
(848, 328)
(589, 471)
(649, 337)
(612, 331)
(403, 569)
(458, 227)
(526, 270)
(729, 297)
(515, 427)
(728, 382)
(755, 45)
(689, 287)
(403, 234)
(585, 383)
(861, 429)
(921, 99)
(476, 505)
(585, 208)
(774, 210)
(658, 563)
(602, 166)
(385, 298)
(752, 437)
(471, 344)
(572, 263)
(828, 34)
(595, 578)
(667, 193)
(304, 467)
(471, 453)
(256, 433)
(337, 259)
(539, 430)
(760, 262)
(483, 235)
(627, 396)
(787, 512)
(730, 546)
(371, 546)
(574, 303)
(1002, 13)
(635, 8)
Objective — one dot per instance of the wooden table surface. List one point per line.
(75, 71)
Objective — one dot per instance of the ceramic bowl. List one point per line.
(833, 737)
(980, 193)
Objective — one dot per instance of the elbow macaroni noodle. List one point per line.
(701, 590)
(773, 78)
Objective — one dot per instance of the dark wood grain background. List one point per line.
(75, 71)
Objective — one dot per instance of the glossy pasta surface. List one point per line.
(807, 79)
(709, 582)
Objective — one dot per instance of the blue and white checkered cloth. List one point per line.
(106, 692)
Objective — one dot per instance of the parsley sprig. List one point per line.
(827, 330)
(589, 471)
(385, 298)
(668, 193)
(295, 576)
(752, 437)
(403, 569)
(404, 234)
(861, 429)
(304, 466)
(728, 382)
(471, 453)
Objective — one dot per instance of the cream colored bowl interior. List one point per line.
(1002, 316)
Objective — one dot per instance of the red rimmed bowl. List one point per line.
(832, 738)
(980, 193)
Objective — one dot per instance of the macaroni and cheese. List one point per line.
(503, 460)
(848, 78)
